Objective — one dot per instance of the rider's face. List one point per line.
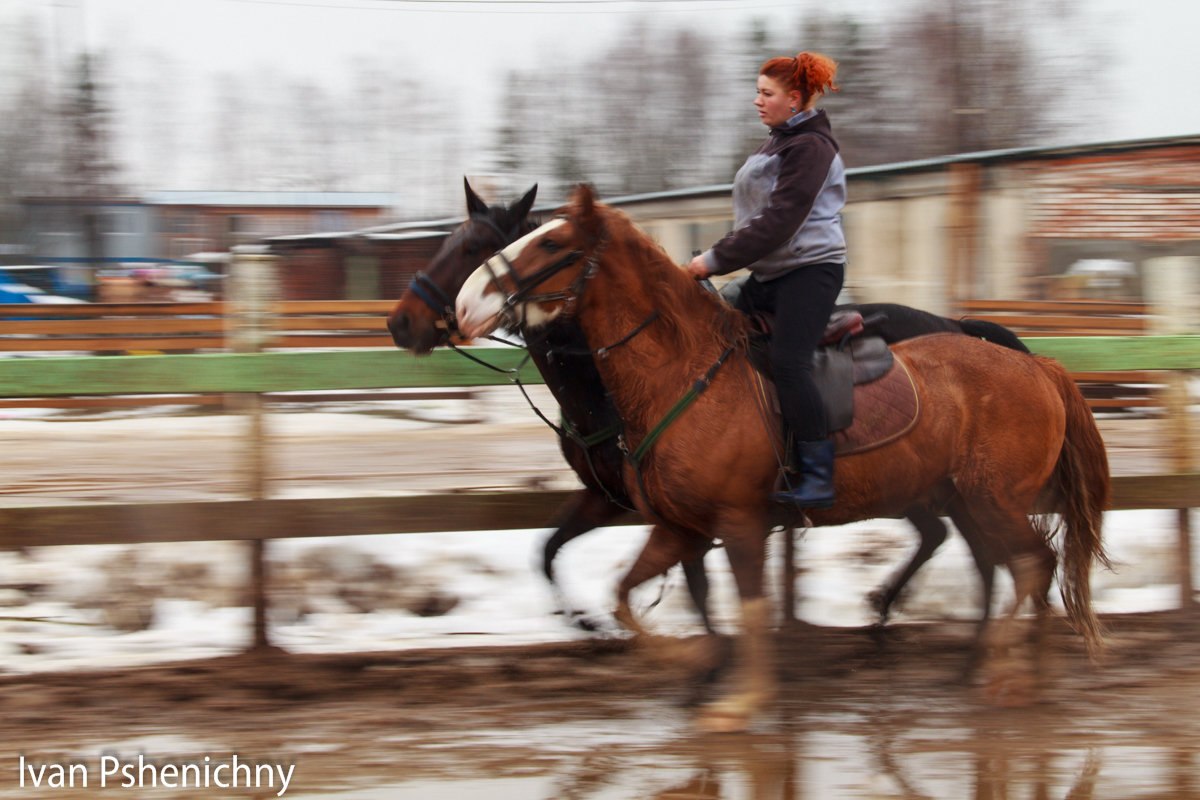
(774, 102)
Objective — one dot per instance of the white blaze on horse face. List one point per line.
(480, 300)
(478, 306)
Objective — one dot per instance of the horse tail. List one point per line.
(992, 332)
(1081, 490)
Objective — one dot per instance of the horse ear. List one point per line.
(522, 207)
(474, 204)
(584, 208)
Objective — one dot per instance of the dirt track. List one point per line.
(493, 441)
(859, 717)
(595, 720)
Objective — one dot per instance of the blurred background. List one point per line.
(1037, 164)
(142, 135)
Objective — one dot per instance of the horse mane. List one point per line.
(683, 301)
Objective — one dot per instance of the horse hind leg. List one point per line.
(985, 564)
(933, 532)
(1031, 562)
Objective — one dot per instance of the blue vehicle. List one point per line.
(15, 291)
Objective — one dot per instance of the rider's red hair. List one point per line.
(809, 73)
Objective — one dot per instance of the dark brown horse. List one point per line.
(423, 319)
(1000, 434)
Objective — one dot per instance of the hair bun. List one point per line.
(815, 73)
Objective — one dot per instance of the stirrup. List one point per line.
(804, 497)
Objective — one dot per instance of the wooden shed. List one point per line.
(364, 265)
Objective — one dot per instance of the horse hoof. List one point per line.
(715, 720)
(875, 601)
(732, 714)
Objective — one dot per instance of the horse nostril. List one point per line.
(398, 324)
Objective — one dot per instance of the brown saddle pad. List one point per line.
(884, 411)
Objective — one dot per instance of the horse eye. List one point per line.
(550, 246)
(472, 249)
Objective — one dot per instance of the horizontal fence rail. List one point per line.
(301, 518)
(377, 369)
(187, 327)
(257, 372)
(1033, 318)
(206, 327)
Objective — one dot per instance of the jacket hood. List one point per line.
(818, 124)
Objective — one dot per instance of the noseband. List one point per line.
(435, 298)
(523, 287)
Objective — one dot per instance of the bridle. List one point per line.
(435, 298)
(522, 293)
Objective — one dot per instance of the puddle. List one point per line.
(836, 756)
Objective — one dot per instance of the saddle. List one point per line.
(867, 393)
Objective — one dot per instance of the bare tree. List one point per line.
(634, 119)
(978, 77)
(89, 171)
(29, 122)
(89, 168)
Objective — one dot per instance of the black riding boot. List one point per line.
(816, 476)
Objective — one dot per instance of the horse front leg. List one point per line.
(755, 682)
(583, 511)
(663, 549)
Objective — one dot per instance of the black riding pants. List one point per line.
(801, 301)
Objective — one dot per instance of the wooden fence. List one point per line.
(257, 518)
(158, 328)
(140, 328)
(1029, 318)
(1104, 389)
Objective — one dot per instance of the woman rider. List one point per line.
(787, 201)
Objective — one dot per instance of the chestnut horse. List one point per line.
(1000, 431)
(423, 318)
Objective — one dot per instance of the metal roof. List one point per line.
(984, 156)
(274, 199)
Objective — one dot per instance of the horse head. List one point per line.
(537, 278)
(423, 317)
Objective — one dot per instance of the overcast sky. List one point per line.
(462, 48)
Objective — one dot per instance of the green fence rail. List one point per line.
(378, 369)
(256, 372)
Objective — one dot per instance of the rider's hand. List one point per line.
(698, 268)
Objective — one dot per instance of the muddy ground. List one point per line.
(860, 714)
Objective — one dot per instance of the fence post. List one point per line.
(789, 574)
(1173, 290)
(249, 324)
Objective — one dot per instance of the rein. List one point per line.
(523, 293)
